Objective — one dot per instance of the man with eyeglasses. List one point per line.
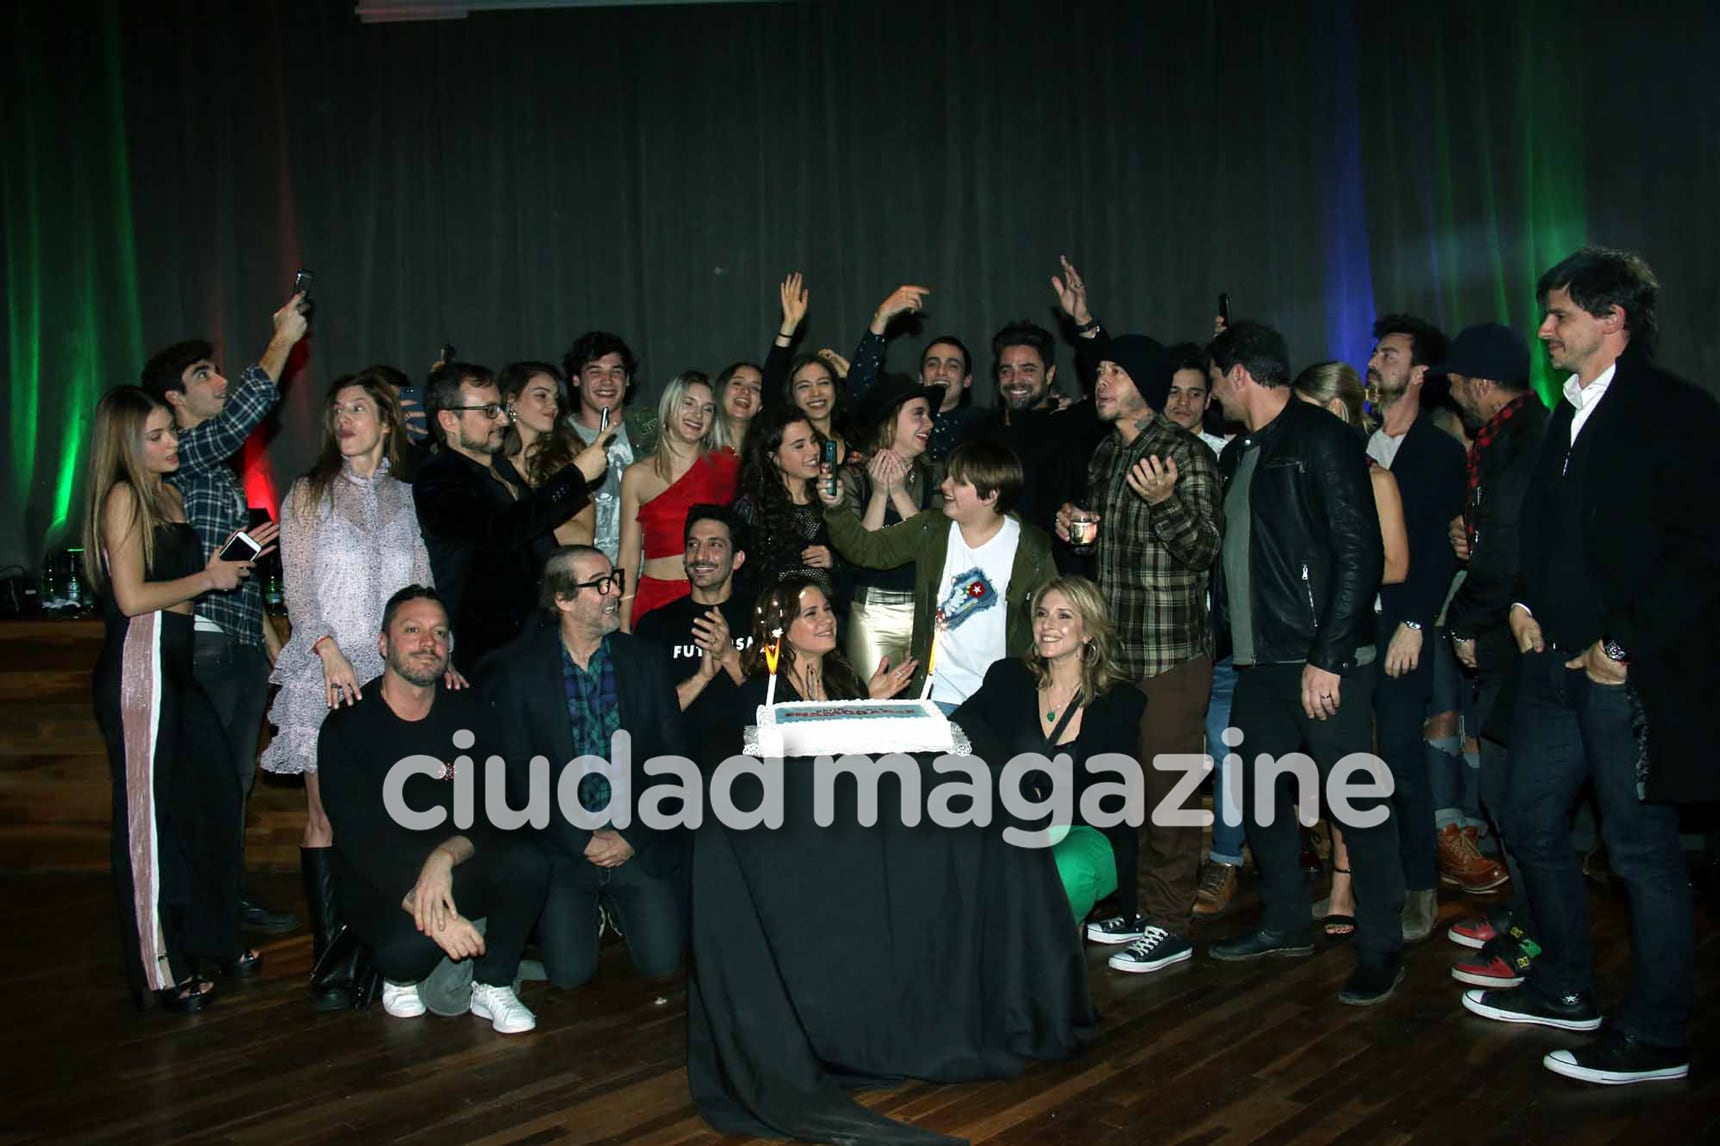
(484, 531)
(564, 690)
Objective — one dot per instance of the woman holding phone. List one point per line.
(176, 802)
(349, 541)
(539, 442)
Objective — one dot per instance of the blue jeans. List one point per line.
(1566, 730)
(1227, 836)
(1453, 778)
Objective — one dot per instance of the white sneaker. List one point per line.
(503, 1008)
(1118, 929)
(401, 1000)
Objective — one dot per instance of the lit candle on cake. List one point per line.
(770, 656)
(931, 664)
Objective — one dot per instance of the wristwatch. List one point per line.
(1414, 625)
(1614, 650)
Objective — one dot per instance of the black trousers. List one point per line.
(648, 909)
(1267, 708)
(236, 678)
(503, 884)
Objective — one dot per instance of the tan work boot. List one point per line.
(1462, 864)
(1217, 885)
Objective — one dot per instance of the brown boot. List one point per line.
(1460, 863)
(1217, 885)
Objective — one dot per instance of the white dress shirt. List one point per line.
(1586, 398)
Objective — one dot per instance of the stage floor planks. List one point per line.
(1203, 1053)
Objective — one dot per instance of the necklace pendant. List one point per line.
(1052, 715)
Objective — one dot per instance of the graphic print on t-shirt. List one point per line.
(969, 594)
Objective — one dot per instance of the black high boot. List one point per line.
(331, 986)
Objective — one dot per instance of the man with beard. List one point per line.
(1053, 443)
(1298, 568)
(1617, 605)
(479, 527)
(1155, 489)
(1488, 368)
(413, 895)
(575, 687)
(600, 369)
(945, 363)
(704, 633)
(1428, 466)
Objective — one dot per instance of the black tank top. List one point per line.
(178, 553)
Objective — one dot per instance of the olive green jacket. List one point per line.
(924, 539)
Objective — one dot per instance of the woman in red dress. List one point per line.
(657, 492)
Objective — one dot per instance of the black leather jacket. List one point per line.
(1315, 554)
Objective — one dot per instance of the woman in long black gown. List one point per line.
(176, 834)
(851, 954)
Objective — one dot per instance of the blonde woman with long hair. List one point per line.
(687, 470)
(1067, 696)
(177, 807)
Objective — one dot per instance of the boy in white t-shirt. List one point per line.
(976, 568)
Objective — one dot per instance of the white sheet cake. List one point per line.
(839, 727)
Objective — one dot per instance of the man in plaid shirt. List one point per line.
(1154, 487)
(234, 650)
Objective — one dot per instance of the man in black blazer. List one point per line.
(566, 688)
(1428, 466)
(484, 529)
(1615, 615)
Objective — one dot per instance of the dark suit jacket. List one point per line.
(523, 684)
(483, 545)
(1652, 537)
(1429, 468)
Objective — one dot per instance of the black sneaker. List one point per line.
(1259, 944)
(1156, 949)
(1371, 983)
(1617, 1058)
(1118, 929)
(1573, 1012)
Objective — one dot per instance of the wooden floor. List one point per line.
(1202, 1053)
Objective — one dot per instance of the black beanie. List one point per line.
(1146, 364)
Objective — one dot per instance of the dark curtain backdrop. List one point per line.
(510, 180)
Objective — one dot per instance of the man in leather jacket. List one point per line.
(1293, 598)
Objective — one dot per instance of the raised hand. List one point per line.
(594, 459)
(290, 321)
(905, 299)
(794, 295)
(1072, 292)
(837, 363)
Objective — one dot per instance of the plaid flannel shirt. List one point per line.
(1154, 560)
(594, 714)
(214, 501)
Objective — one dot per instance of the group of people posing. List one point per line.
(1201, 553)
